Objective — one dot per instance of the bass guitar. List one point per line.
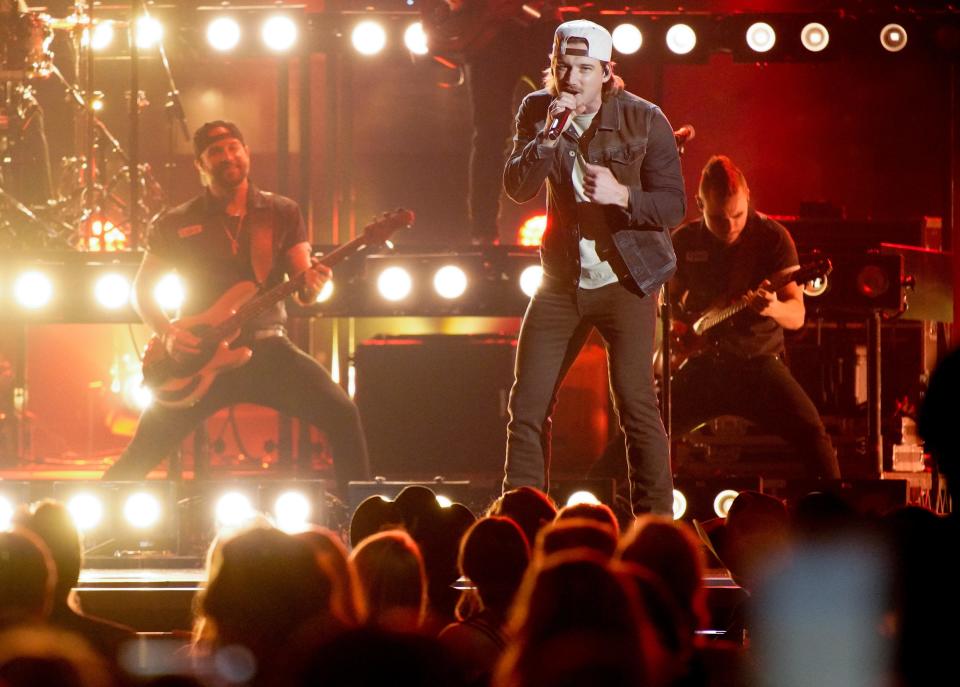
(689, 332)
(179, 383)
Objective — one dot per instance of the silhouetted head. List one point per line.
(937, 420)
(494, 554)
(392, 579)
(576, 533)
(598, 512)
(528, 507)
(51, 521)
(27, 578)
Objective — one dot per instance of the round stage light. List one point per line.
(872, 281)
(816, 287)
(368, 37)
(815, 37)
(761, 37)
(142, 510)
(582, 496)
(102, 35)
(86, 511)
(395, 283)
(530, 279)
(723, 501)
(6, 514)
(234, 509)
(532, 230)
(292, 511)
(893, 37)
(679, 504)
(223, 34)
(149, 32)
(444, 501)
(169, 292)
(627, 39)
(681, 39)
(33, 290)
(450, 282)
(135, 394)
(279, 33)
(112, 291)
(415, 38)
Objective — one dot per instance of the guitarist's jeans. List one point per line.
(760, 389)
(279, 376)
(555, 327)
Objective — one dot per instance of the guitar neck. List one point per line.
(279, 292)
(713, 318)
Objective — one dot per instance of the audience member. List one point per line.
(493, 556)
(575, 622)
(51, 522)
(392, 580)
(27, 579)
(591, 511)
(41, 656)
(528, 507)
(577, 533)
(345, 600)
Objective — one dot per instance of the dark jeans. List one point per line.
(760, 389)
(555, 327)
(279, 376)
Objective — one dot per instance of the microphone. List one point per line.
(683, 134)
(556, 126)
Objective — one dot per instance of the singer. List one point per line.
(614, 188)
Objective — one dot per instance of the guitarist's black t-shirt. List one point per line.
(714, 274)
(199, 239)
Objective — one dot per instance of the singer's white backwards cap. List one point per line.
(598, 39)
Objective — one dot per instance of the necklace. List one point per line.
(234, 235)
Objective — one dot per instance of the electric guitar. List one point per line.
(474, 24)
(689, 332)
(181, 383)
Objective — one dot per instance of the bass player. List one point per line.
(729, 251)
(231, 233)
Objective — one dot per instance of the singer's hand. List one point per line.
(601, 187)
(563, 103)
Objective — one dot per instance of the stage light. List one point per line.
(135, 394)
(723, 501)
(6, 514)
(292, 512)
(234, 510)
(415, 38)
(96, 101)
(530, 279)
(86, 511)
(102, 35)
(142, 510)
(112, 291)
(761, 37)
(394, 283)
(279, 33)
(149, 32)
(33, 290)
(816, 287)
(814, 37)
(368, 37)
(681, 39)
(223, 34)
(450, 282)
(326, 292)
(531, 231)
(627, 39)
(679, 504)
(893, 37)
(169, 292)
(578, 497)
(444, 501)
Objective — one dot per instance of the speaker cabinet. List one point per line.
(435, 404)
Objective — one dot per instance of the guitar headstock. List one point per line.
(820, 267)
(382, 227)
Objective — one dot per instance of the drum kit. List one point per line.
(87, 204)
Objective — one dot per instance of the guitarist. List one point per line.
(733, 250)
(235, 232)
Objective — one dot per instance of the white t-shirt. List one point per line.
(594, 272)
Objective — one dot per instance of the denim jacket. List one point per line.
(635, 141)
